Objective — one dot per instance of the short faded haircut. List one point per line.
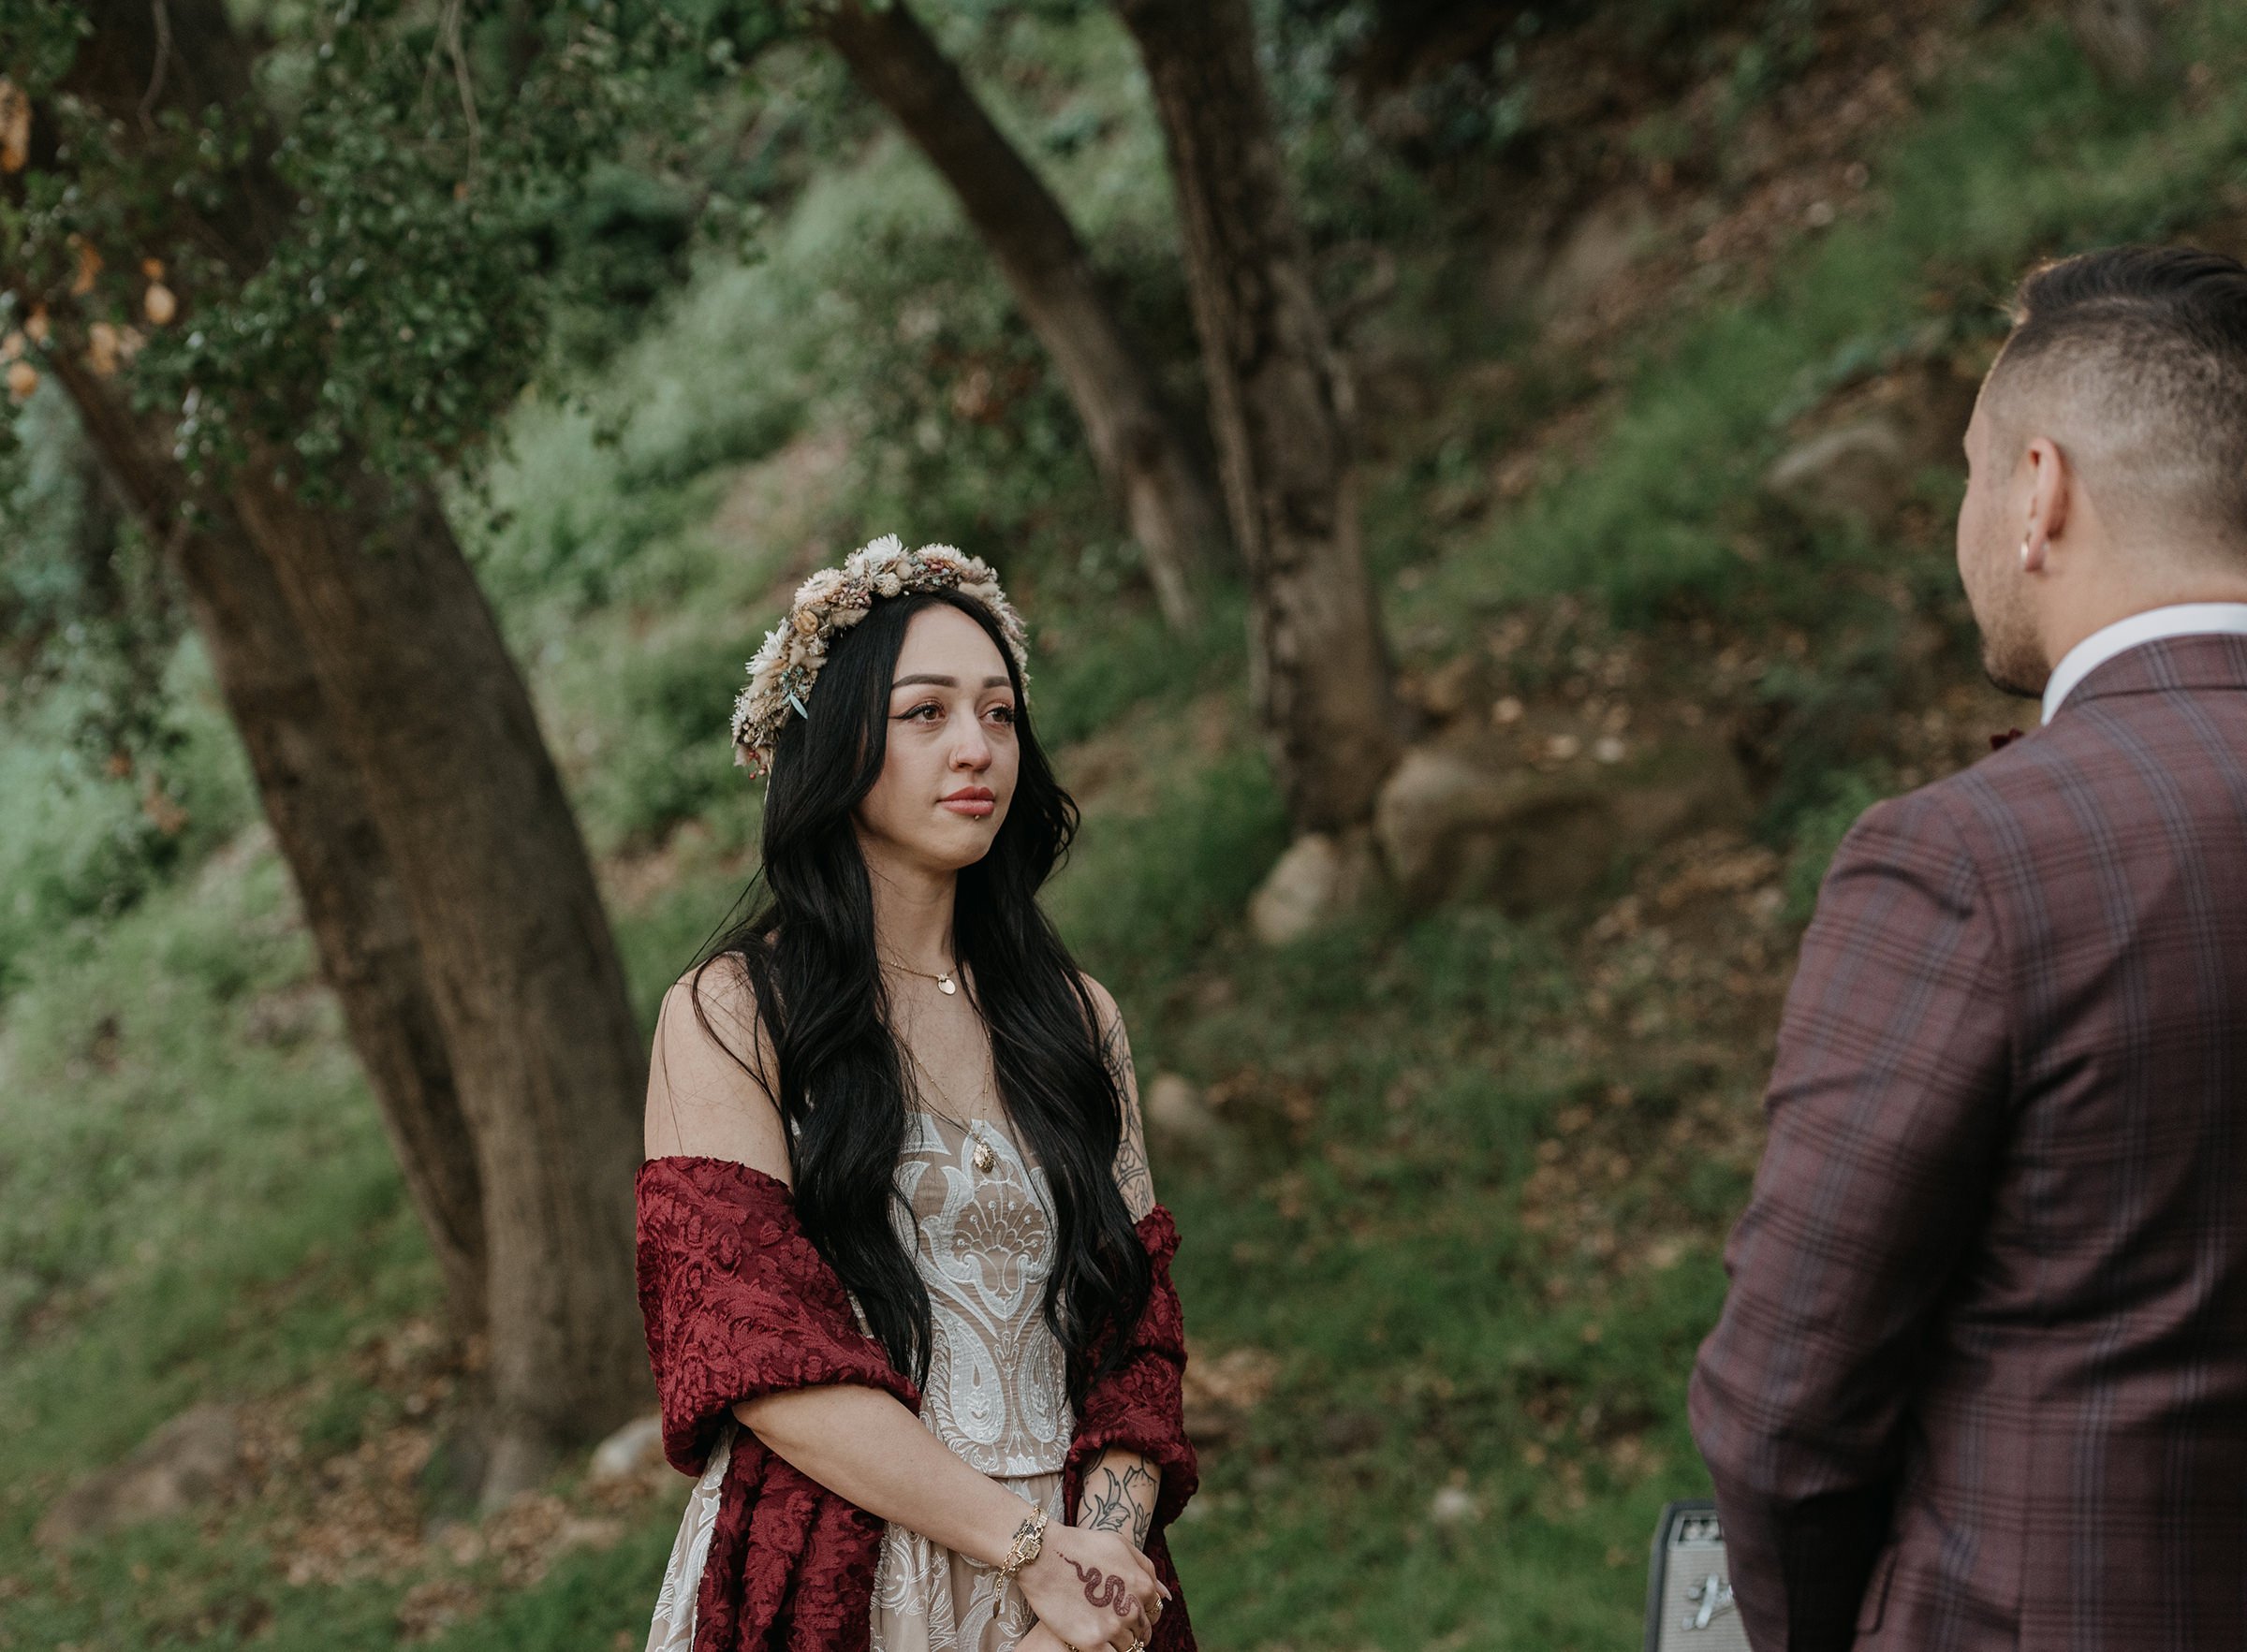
(2135, 358)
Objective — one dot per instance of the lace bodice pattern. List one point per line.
(983, 1243)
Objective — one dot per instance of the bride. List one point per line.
(895, 1164)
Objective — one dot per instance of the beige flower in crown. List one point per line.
(834, 600)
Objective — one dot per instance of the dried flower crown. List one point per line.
(835, 599)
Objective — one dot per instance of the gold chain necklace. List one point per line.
(985, 1156)
(945, 984)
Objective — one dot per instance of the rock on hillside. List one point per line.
(1866, 448)
(1456, 821)
(192, 1462)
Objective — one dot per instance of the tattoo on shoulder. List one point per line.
(1120, 1500)
(1135, 1179)
(1115, 1049)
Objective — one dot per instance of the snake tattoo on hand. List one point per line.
(1104, 1590)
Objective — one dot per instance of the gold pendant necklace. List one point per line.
(945, 984)
(986, 1157)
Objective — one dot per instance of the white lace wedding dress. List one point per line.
(996, 1395)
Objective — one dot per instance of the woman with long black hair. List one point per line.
(896, 1164)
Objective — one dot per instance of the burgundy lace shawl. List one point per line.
(739, 1304)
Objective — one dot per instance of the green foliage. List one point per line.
(1349, 183)
(1424, 1341)
(347, 1413)
(407, 299)
(196, 1198)
(1143, 896)
(653, 756)
(958, 423)
(1785, 43)
(2030, 155)
(1665, 518)
(1819, 721)
(872, 315)
(45, 497)
(86, 608)
(956, 415)
(84, 836)
(1819, 830)
(116, 767)
(1098, 668)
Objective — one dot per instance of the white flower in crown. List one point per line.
(832, 600)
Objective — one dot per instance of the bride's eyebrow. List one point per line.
(944, 681)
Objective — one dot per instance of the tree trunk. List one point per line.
(1137, 439)
(521, 973)
(1280, 403)
(318, 808)
(521, 964)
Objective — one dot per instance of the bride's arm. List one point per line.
(863, 1446)
(1119, 1495)
(1120, 1489)
(868, 1448)
(1134, 1179)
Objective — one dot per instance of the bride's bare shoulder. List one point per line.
(711, 1074)
(1104, 1008)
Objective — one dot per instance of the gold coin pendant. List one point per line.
(985, 1158)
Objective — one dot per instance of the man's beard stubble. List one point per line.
(2014, 666)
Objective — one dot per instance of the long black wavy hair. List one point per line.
(808, 952)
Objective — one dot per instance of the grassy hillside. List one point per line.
(1457, 1231)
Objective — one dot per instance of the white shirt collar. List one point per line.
(2188, 618)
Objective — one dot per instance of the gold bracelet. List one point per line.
(1029, 1538)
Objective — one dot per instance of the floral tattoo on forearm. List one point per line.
(1121, 1500)
(1104, 1590)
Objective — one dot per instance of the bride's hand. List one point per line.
(1092, 1589)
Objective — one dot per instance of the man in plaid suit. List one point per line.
(1981, 1378)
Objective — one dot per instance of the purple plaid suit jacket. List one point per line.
(1981, 1378)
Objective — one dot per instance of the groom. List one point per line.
(1981, 1380)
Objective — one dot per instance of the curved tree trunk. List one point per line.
(522, 978)
(521, 964)
(1280, 403)
(1136, 437)
(318, 808)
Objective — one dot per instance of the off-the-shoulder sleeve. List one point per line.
(736, 1302)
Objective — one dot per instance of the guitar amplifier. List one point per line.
(1689, 1588)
